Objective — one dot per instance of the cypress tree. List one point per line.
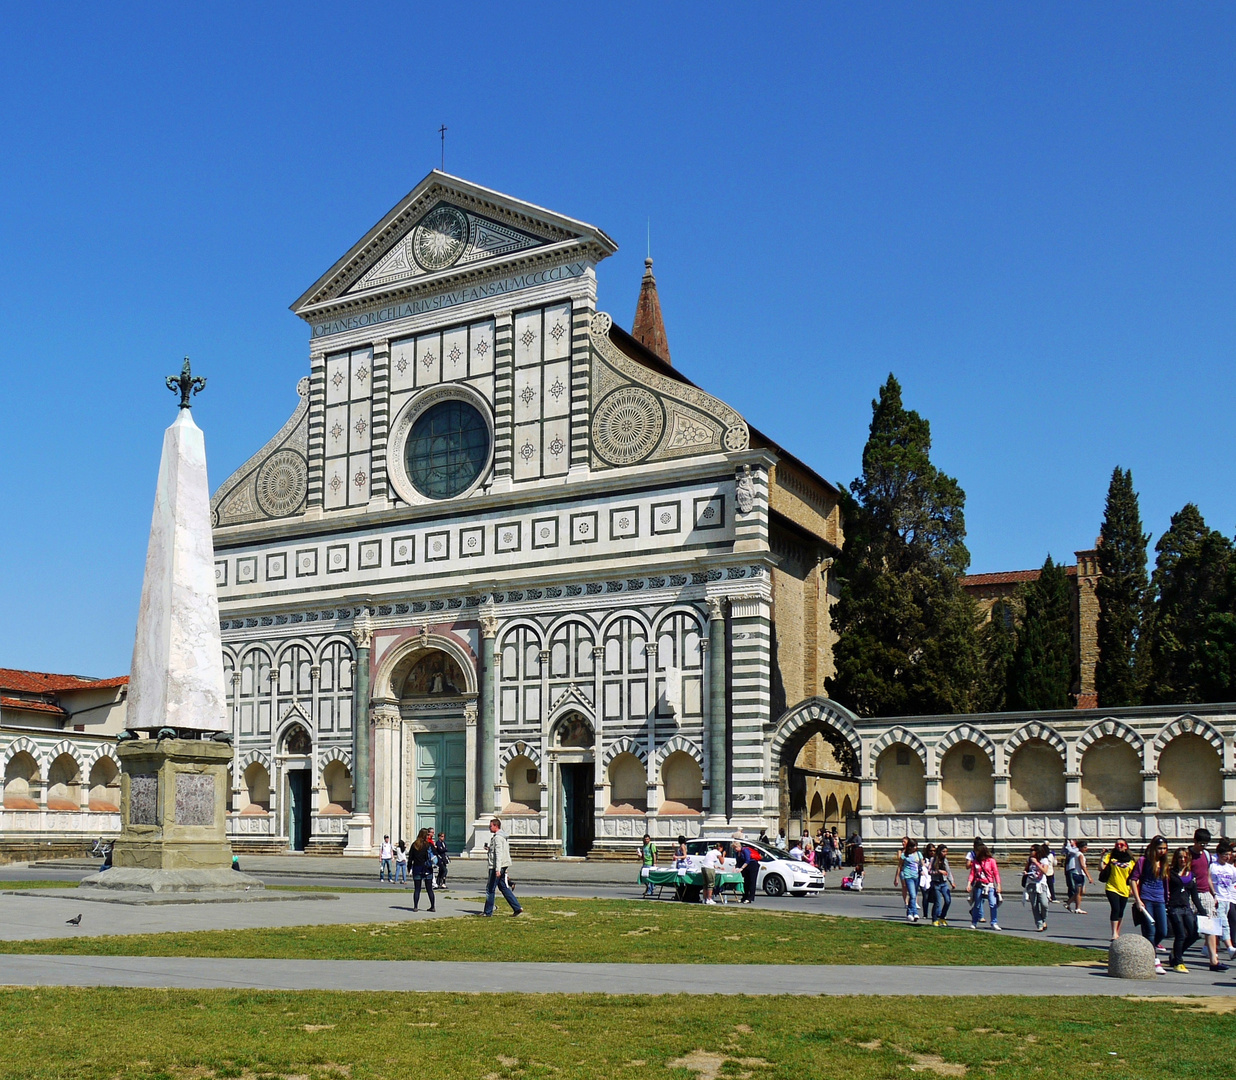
(1188, 586)
(1041, 673)
(908, 642)
(1121, 590)
(1218, 648)
(997, 643)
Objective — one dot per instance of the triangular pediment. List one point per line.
(444, 229)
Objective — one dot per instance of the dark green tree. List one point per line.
(1189, 585)
(1041, 673)
(1121, 591)
(1218, 649)
(908, 642)
(997, 641)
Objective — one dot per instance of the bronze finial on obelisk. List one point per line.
(186, 383)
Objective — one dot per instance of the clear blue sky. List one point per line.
(1024, 211)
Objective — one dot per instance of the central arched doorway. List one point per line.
(572, 748)
(815, 754)
(432, 700)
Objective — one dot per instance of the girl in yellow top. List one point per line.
(1115, 866)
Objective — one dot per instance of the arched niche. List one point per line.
(628, 785)
(1190, 775)
(967, 783)
(523, 786)
(901, 781)
(682, 780)
(1111, 776)
(1036, 778)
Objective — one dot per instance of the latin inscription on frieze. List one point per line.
(195, 799)
(144, 799)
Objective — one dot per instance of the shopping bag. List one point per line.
(1209, 924)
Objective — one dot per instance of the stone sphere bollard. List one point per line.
(1130, 956)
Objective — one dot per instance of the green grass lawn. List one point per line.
(596, 931)
(125, 1034)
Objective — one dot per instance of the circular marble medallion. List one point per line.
(627, 425)
(440, 238)
(282, 482)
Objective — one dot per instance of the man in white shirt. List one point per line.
(713, 862)
(386, 853)
(499, 864)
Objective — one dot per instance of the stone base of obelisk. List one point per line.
(173, 803)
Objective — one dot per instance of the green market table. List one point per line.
(687, 884)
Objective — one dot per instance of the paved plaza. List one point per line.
(26, 917)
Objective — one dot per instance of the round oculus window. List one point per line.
(447, 449)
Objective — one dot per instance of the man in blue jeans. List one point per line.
(499, 864)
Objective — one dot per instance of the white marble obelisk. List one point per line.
(176, 680)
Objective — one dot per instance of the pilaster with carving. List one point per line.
(717, 764)
(487, 741)
(362, 636)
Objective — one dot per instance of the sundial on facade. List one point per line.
(440, 238)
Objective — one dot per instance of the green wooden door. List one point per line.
(441, 786)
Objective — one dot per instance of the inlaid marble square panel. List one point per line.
(508, 536)
(403, 550)
(337, 559)
(144, 799)
(437, 546)
(221, 573)
(471, 542)
(195, 799)
(246, 571)
(624, 523)
(557, 331)
(307, 562)
(545, 532)
(666, 518)
(710, 512)
(369, 554)
(584, 528)
(277, 566)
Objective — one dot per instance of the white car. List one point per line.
(779, 873)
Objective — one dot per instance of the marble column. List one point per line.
(360, 825)
(717, 759)
(362, 635)
(487, 722)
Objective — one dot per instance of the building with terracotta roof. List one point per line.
(996, 595)
(58, 749)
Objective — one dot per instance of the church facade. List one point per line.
(504, 558)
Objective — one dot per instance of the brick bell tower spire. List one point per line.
(649, 328)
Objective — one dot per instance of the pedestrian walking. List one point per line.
(941, 887)
(1148, 885)
(1049, 861)
(1076, 873)
(1223, 881)
(648, 860)
(926, 888)
(1205, 890)
(422, 857)
(1115, 866)
(386, 857)
(499, 868)
(897, 878)
(401, 863)
(444, 858)
(1181, 892)
(909, 872)
(983, 884)
(1034, 885)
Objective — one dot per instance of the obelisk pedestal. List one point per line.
(175, 752)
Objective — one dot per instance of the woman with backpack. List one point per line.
(984, 884)
(401, 863)
(1115, 866)
(423, 858)
(909, 870)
